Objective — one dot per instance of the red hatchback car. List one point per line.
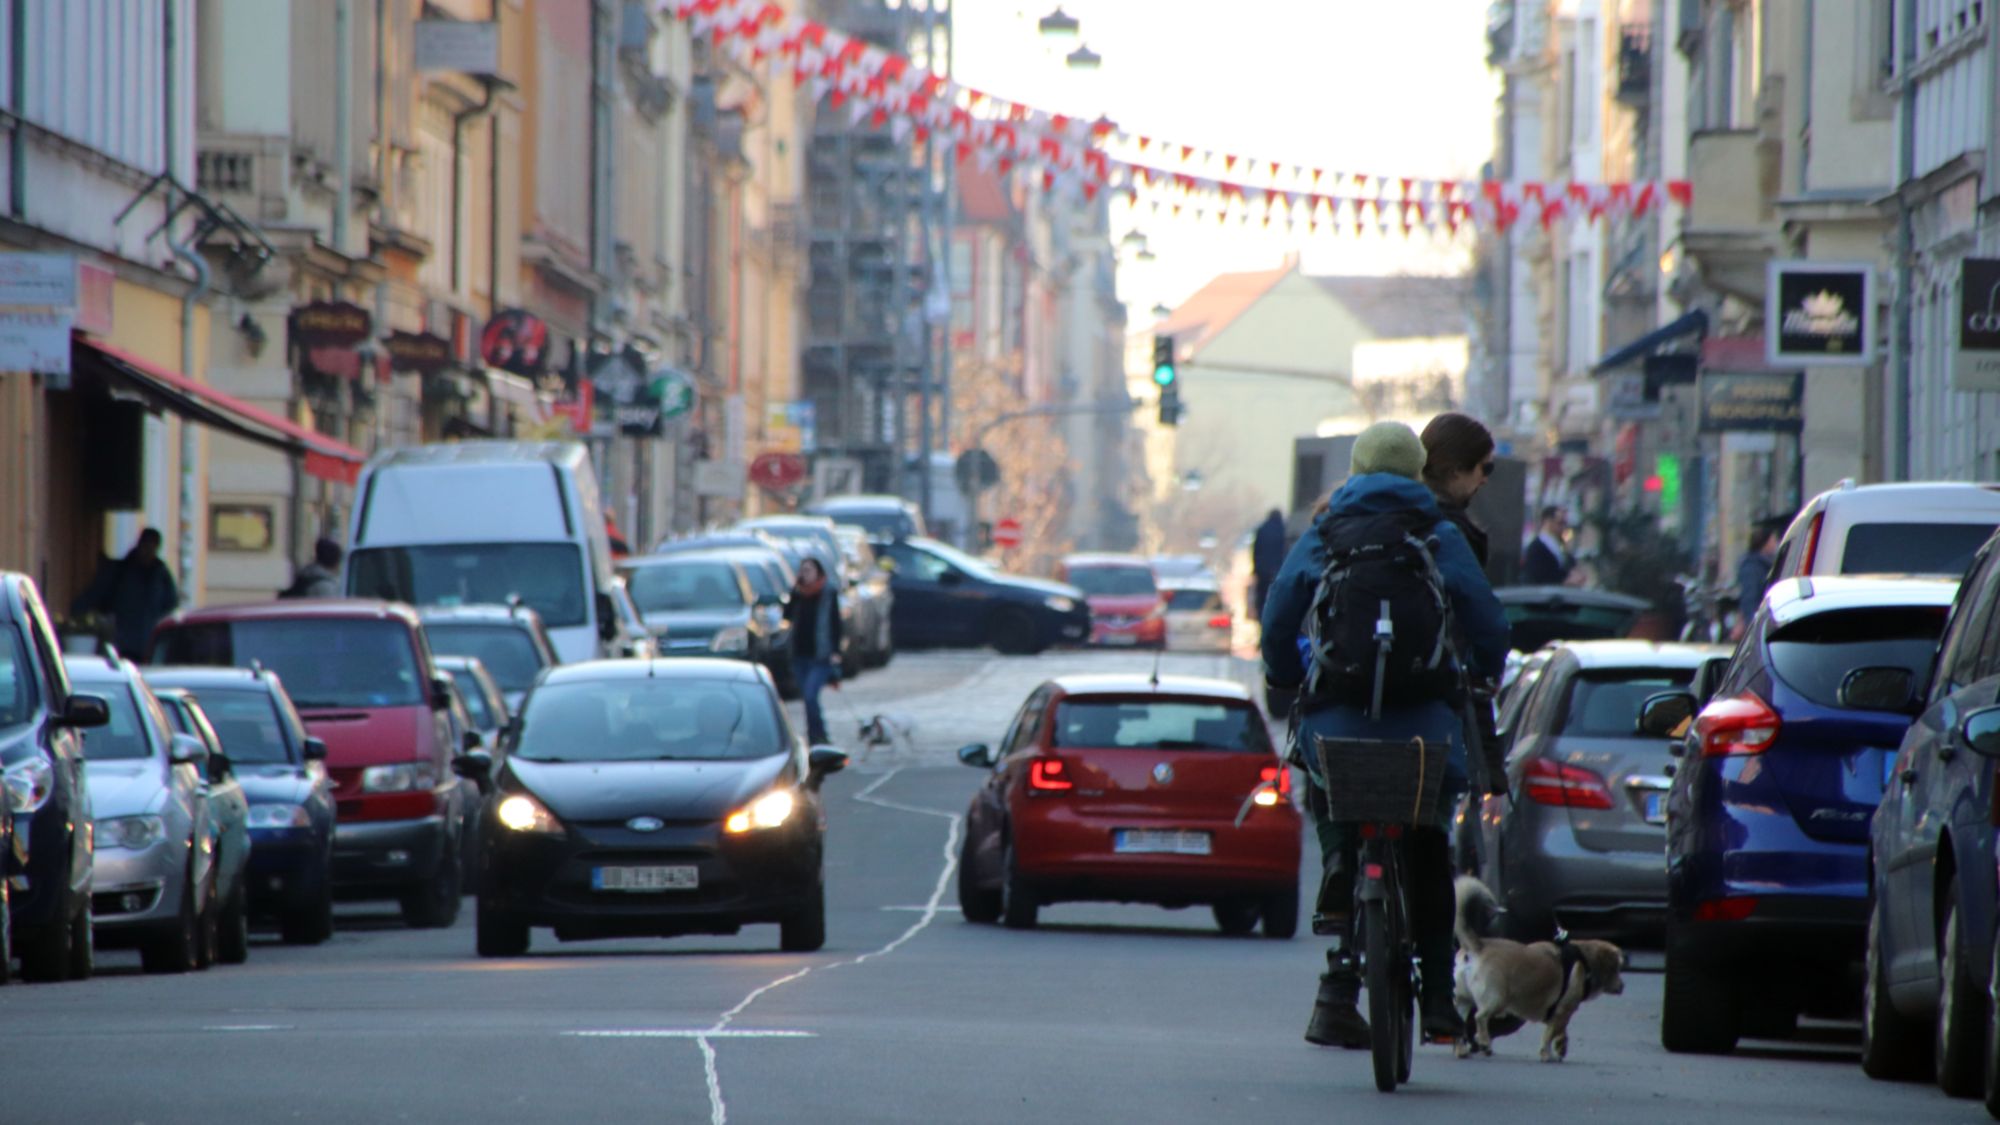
(1128, 789)
(361, 675)
(1126, 605)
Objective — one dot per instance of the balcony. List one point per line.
(250, 173)
(1635, 64)
(1730, 229)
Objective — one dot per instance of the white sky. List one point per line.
(1379, 87)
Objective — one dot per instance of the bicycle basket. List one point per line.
(1376, 782)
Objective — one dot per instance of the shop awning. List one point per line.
(164, 389)
(1690, 324)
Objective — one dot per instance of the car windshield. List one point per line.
(477, 706)
(876, 524)
(1912, 548)
(545, 576)
(1191, 601)
(124, 737)
(1813, 656)
(973, 566)
(505, 647)
(17, 680)
(325, 662)
(765, 580)
(1605, 703)
(247, 724)
(637, 720)
(1113, 581)
(679, 586)
(1159, 725)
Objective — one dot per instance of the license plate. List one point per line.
(644, 879)
(1168, 840)
(1120, 638)
(1656, 808)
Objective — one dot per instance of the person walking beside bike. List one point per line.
(1382, 504)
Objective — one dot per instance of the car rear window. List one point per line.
(325, 663)
(1604, 703)
(1912, 548)
(680, 586)
(1114, 581)
(1192, 601)
(1814, 655)
(247, 723)
(1159, 725)
(507, 650)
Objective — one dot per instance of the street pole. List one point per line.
(927, 370)
(946, 218)
(343, 121)
(1906, 160)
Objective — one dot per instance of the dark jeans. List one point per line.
(1427, 881)
(814, 675)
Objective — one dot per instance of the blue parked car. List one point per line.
(1930, 945)
(283, 773)
(1774, 784)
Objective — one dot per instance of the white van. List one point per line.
(483, 522)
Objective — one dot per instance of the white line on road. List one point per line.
(685, 1033)
(250, 1027)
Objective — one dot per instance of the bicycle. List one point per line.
(1385, 788)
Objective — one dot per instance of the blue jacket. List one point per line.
(1477, 613)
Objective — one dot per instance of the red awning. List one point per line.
(325, 457)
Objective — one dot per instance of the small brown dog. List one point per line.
(1545, 982)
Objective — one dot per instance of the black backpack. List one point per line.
(1381, 583)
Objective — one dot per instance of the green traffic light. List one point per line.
(1164, 375)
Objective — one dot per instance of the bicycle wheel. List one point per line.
(1406, 1009)
(1384, 1010)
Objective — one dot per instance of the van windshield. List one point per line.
(326, 663)
(548, 577)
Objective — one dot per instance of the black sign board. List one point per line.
(421, 352)
(1976, 367)
(1741, 400)
(330, 324)
(1820, 313)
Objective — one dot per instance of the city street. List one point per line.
(1104, 1014)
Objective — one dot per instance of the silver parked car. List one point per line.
(172, 826)
(1579, 838)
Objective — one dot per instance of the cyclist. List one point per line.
(1388, 460)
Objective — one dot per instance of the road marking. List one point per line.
(908, 909)
(686, 1033)
(250, 1027)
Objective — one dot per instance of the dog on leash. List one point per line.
(1502, 981)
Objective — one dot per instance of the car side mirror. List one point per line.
(823, 761)
(84, 711)
(220, 765)
(470, 741)
(440, 693)
(1666, 714)
(476, 767)
(314, 749)
(1982, 731)
(977, 755)
(1881, 688)
(187, 750)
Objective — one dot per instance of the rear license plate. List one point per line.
(1656, 808)
(644, 879)
(1170, 841)
(1120, 638)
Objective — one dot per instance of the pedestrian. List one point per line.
(1753, 572)
(1547, 561)
(814, 612)
(1381, 502)
(1458, 461)
(1267, 556)
(319, 578)
(135, 592)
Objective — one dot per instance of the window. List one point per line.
(1912, 548)
(677, 587)
(477, 706)
(1814, 655)
(508, 650)
(546, 576)
(1113, 581)
(17, 680)
(124, 737)
(247, 724)
(1605, 704)
(325, 663)
(1159, 725)
(1195, 601)
(667, 719)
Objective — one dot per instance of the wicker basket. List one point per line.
(1377, 782)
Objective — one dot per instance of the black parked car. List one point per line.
(724, 602)
(41, 764)
(945, 597)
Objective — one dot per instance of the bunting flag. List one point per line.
(1084, 159)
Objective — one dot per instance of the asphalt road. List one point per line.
(1104, 1014)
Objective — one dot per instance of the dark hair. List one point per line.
(812, 561)
(1455, 443)
(1761, 536)
(1551, 512)
(150, 535)
(327, 553)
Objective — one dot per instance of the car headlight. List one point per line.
(133, 832)
(29, 784)
(1060, 604)
(769, 811)
(735, 638)
(400, 778)
(279, 816)
(523, 813)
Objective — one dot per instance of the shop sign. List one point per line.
(1628, 400)
(421, 352)
(42, 280)
(466, 46)
(330, 324)
(776, 472)
(718, 480)
(37, 342)
(96, 288)
(246, 528)
(515, 340)
(1772, 402)
(674, 390)
(1976, 359)
(1819, 313)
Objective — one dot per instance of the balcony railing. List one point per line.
(1635, 63)
(248, 172)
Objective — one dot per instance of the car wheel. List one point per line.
(234, 946)
(1992, 1084)
(1698, 1012)
(1236, 917)
(1012, 633)
(500, 934)
(45, 951)
(1961, 1015)
(311, 922)
(433, 904)
(176, 948)
(1018, 908)
(804, 930)
(978, 904)
(210, 946)
(83, 943)
(887, 651)
(1281, 915)
(1892, 1044)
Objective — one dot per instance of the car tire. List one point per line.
(978, 904)
(1012, 633)
(1892, 1044)
(1992, 1076)
(1959, 1047)
(433, 904)
(1698, 1012)
(176, 948)
(499, 934)
(6, 935)
(311, 922)
(1236, 917)
(209, 948)
(83, 943)
(1018, 908)
(1280, 913)
(233, 948)
(804, 929)
(887, 652)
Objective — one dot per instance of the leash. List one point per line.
(1569, 957)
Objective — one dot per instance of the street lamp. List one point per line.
(1162, 312)
(1083, 58)
(1059, 25)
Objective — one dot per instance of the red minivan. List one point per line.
(1132, 789)
(360, 673)
(1126, 606)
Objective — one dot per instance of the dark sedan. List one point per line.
(945, 597)
(651, 799)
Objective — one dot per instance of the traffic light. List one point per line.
(1167, 377)
(1170, 405)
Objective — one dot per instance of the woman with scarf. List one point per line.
(814, 612)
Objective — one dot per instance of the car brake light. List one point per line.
(1219, 621)
(1047, 775)
(1279, 774)
(1552, 783)
(1812, 543)
(1725, 909)
(1740, 724)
